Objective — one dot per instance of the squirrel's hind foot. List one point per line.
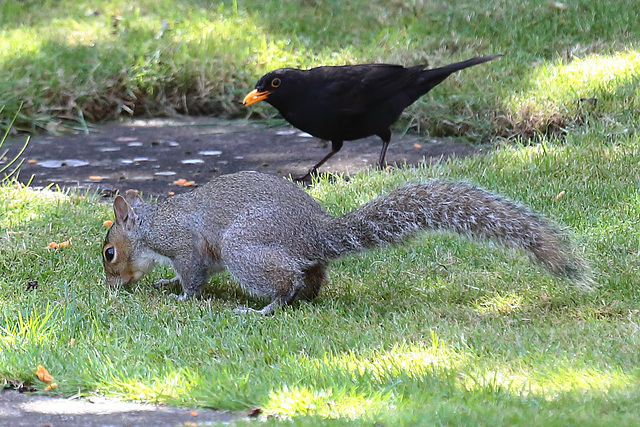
(267, 311)
(181, 297)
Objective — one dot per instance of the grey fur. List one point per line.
(276, 240)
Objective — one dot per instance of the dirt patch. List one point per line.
(150, 155)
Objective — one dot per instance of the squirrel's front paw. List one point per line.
(181, 297)
(244, 310)
(166, 282)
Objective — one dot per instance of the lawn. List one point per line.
(442, 331)
(69, 62)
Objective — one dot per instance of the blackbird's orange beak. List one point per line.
(255, 96)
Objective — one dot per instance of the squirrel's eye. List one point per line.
(275, 82)
(110, 254)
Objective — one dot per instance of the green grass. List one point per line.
(71, 62)
(441, 331)
(9, 166)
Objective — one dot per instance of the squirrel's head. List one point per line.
(121, 256)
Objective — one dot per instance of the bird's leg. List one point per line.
(335, 147)
(386, 138)
(383, 153)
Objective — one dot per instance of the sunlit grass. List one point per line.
(32, 327)
(499, 304)
(548, 378)
(172, 384)
(442, 330)
(324, 403)
(21, 205)
(68, 62)
(602, 84)
(20, 41)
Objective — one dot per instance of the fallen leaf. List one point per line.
(416, 145)
(107, 223)
(72, 342)
(54, 245)
(560, 194)
(96, 178)
(194, 414)
(32, 284)
(183, 182)
(65, 243)
(50, 386)
(171, 193)
(31, 161)
(44, 375)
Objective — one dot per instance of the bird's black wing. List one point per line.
(361, 86)
(384, 80)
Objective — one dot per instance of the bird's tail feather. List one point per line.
(432, 77)
(452, 68)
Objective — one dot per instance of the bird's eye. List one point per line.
(275, 82)
(110, 254)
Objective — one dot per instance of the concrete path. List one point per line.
(151, 155)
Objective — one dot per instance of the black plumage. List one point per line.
(343, 103)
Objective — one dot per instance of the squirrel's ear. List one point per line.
(124, 214)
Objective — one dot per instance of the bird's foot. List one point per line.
(313, 175)
(385, 167)
(307, 179)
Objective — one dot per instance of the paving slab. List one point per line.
(35, 410)
(151, 155)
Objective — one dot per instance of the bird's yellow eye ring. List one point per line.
(275, 82)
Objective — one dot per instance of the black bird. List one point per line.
(343, 103)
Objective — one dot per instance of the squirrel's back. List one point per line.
(273, 207)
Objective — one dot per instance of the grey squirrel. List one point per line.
(277, 240)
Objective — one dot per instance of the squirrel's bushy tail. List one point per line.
(460, 208)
